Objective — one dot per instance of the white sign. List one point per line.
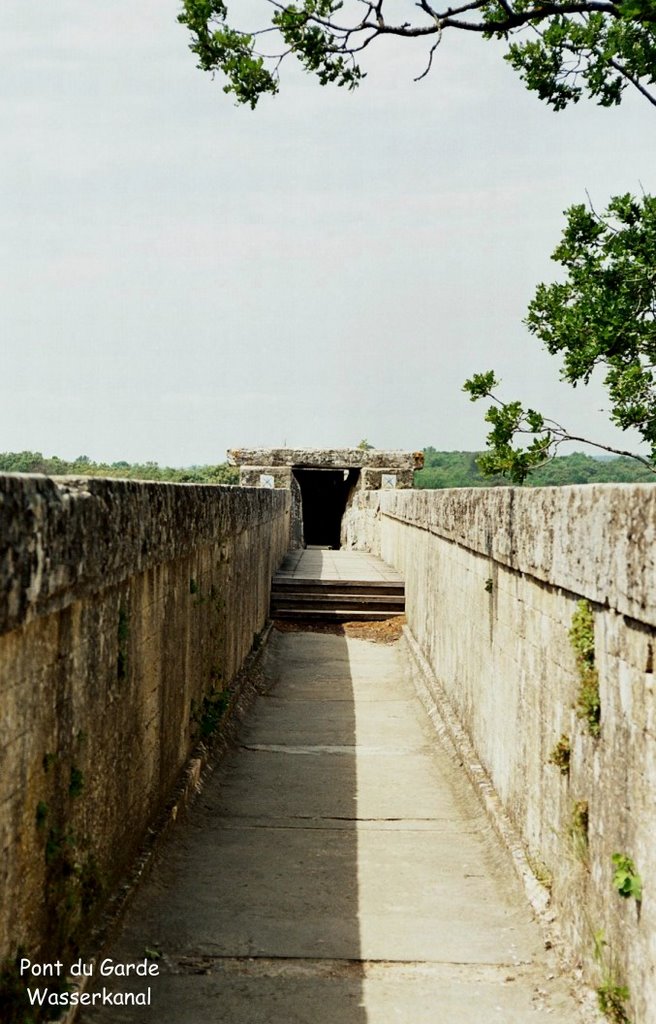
(266, 480)
(388, 481)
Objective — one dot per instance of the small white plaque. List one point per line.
(388, 481)
(266, 480)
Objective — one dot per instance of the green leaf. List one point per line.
(626, 880)
(481, 385)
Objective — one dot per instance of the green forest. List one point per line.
(35, 462)
(441, 469)
(459, 469)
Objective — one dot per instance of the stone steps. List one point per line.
(336, 600)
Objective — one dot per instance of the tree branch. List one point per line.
(608, 448)
(633, 80)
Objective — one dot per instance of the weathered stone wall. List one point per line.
(127, 608)
(493, 579)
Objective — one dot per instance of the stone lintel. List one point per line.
(326, 458)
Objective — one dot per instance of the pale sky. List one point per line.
(180, 275)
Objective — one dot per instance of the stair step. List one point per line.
(324, 609)
(330, 598)
(350, 586)
(333, 614)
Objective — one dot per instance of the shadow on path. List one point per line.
(253, 905)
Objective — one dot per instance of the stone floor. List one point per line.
(337, 869)
(326, 564)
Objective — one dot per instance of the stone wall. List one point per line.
(494, 579)
(129, 608)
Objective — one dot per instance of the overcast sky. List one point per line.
(180, 276)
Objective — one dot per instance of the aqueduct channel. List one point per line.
(129, 612)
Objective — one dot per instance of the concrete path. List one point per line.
(337, 869)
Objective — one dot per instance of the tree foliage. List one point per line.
(602, 316)
(35, 462)
(562, 49)
(462, 469)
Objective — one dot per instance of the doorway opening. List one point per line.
(324, 494)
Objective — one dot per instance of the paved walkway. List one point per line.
(337, 869)
(325, 564)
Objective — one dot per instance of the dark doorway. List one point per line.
(324, 494)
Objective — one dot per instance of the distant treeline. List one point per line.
(441, 469)
(35, 462)
(459, 469)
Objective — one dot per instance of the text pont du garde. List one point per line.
(107, 968)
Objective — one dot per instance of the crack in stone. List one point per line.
(338, 817)
(317, 749)
(313, 967)
(324, 825)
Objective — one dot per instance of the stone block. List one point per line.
(386, 478)
(265, 476)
